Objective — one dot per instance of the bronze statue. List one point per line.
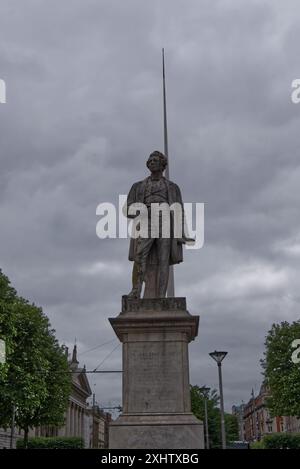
(153, 256)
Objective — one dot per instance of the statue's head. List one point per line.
(157, 161)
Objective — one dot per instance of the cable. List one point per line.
(94, 348)
(95, 370)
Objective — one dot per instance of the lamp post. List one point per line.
(205, 392)
(219, 357)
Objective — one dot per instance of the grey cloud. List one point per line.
(84, 111)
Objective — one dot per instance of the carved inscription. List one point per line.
(155, 377)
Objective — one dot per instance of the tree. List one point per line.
(281, 374)
(214, 416)
(232, 427)
(35, 379)
(8, 300)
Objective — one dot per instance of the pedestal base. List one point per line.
(164, 431)
(155, 333)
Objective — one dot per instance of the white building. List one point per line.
(81, 420)
(77, 415)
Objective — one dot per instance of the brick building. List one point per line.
(258, 421)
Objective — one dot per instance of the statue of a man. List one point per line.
(152, 256)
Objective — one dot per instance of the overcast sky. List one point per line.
(83, 112)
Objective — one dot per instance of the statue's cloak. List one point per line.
(137, 195)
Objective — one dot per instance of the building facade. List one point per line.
(238, 411)
(76, 416)
(81, 420)
(99, 424)
(258, 421)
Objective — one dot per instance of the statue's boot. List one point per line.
(138, 275)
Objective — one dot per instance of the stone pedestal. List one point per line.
(155, 333)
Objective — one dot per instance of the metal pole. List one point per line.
(206, 423)
(171, 282)
(166, 149)
(12, 431)
(222, 407)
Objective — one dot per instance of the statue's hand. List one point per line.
(186, 240)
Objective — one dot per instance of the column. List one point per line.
(79, 421)
(75, 420)
(70, 418)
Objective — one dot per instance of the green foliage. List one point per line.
(279, 441)
(232, 428)
(35, 378)
(8, 300)
(52, 443)
(214, 421)
(214, 416)
(257, 445)
(281, 374)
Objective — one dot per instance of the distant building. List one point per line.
(81, 420)
(258, 421)
(89, 423)
(238, 411)
(99, 424)
(5, 437)
(292, 424)
(77, 416)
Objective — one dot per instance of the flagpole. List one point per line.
(171, 286)
(166, 149)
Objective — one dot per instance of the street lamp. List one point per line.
(205, 392)
(219, 357)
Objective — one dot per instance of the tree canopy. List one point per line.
(282, 375)
(214, 416)
(35, 379)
